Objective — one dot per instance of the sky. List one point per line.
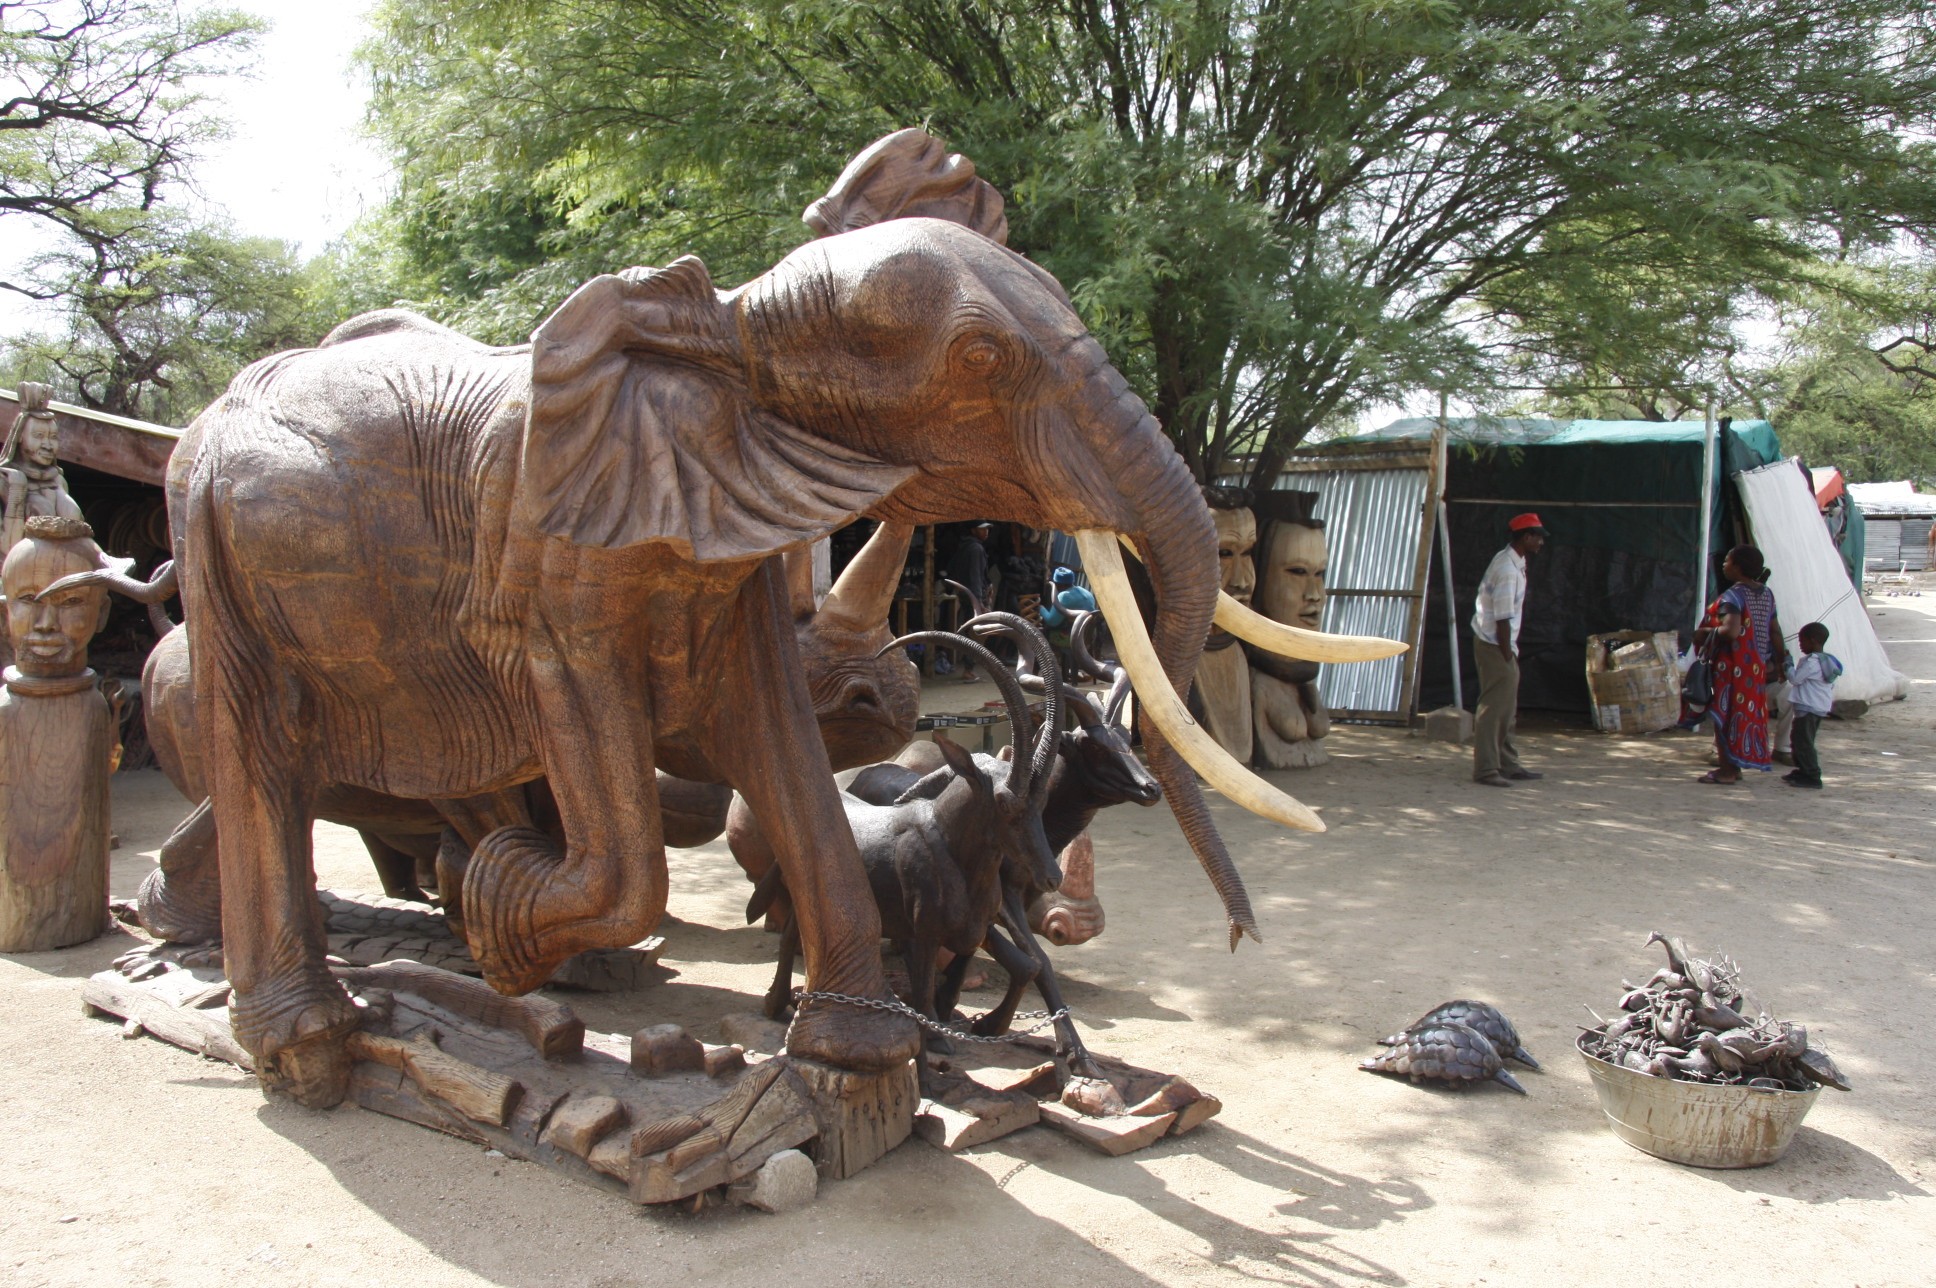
(297, 165)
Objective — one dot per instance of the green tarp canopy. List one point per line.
(1621, 502)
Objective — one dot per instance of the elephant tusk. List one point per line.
(1273, 636)
(1157, 697)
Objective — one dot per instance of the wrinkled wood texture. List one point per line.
(54, 828)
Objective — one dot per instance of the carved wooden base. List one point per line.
(521, 1075)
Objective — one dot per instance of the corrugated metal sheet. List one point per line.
(1896, 544)
(1371, 520)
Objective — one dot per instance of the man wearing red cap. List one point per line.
(1495, 630)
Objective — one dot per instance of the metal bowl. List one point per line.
(1697, 1123)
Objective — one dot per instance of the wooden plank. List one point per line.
(203, 1032)
(1113, 1136)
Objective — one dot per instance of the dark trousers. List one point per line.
(1808, 765)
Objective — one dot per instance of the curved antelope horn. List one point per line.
(1110, 581)
(1026, 637)
(974, 604)
(1253, 627)
(1012, 695)
(863, 594)
(1079, 636)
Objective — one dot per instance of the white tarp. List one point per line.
(1810, 582)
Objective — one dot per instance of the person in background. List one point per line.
(1742, 636)
(1066, 599)
(1495, 630)
(1811, 687)
(969, 566)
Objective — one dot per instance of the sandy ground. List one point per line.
(132, 1162)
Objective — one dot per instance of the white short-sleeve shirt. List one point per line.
(1502, 594)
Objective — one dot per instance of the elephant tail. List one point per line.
(765, 891)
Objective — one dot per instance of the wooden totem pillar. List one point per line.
(56, 738)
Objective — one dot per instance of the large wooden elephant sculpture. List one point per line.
(865, 702)
(422, 566)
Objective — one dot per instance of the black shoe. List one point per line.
(1493, 780)
(1525, 775)
(1813, 785)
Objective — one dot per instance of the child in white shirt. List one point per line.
(1811, 693)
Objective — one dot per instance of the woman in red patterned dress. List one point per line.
(1744, 637)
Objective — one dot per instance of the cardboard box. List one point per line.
(1635, 681)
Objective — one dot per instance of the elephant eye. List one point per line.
(980, 355)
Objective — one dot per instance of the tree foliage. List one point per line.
(161, 313)
(103, 109)
(100, 100)
(1853, 384)
(1273, 213)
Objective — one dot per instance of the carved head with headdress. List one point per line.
(52, 614)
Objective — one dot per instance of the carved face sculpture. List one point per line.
(1236, 542)
(40, 441)
(50, 633)
(1293, 575)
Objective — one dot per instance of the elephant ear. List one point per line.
(641, 429)
(909, 175)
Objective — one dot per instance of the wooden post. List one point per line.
(56, 737)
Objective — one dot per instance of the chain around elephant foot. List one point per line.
(860, 1038)
(296, 1031)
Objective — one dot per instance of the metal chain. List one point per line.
(1047, 1018)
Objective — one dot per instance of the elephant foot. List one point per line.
(296, 1034)
(180, 912)
(852, 1037)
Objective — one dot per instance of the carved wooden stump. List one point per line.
(860, 1115)
(55, 740)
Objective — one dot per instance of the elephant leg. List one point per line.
(181, 901)
(784, 775)
(468, 822)
(1081, 1063)
(1021, 970)
(286, 1010)
(529, 904)
(396, 869)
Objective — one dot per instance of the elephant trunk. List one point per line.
(1178, 543)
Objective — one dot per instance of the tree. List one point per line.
(99, 100)
(162, 312)
(1272, 213)
(1852, 385)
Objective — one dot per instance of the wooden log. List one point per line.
(1195, 1114)
(205, 1032)
(721, 1060)
(861, 1115)
(54, 753)
(548, 1025)
(767, 1111)
(578, 1124)
(666, 1048)
(476, 1093)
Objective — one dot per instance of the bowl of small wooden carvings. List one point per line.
(1695, 1070)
